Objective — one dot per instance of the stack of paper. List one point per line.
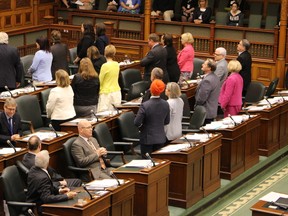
(103, 184)
(4, 151)
(44, 135)
(139, 164)
(174, 148)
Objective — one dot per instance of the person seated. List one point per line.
(34, 146)
(202, 13)
(87, 153)
(69, 3)
(10, 122)
(165, 7)
(234, 17)
(40, 187)
(129, 6)
(188, 7)
(86, 4)
(111, 6)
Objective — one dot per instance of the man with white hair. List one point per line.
(11, 69)
(221, 69)
(40, 186)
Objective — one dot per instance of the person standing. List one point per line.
(230, 97)
(11, 70)
(208, 90)
(221, 69)
(10, 122)
(101, 38)
(156, 57)
(244, 57)
(151, 118)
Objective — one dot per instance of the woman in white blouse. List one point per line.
(59, 106)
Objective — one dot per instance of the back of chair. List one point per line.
(255, 20)
(186, 107)
(198, 117)
(272, 87)
(44, 99)
(102, 134)
(197, 67)
(23, 171)
(136, 90)
(26, 63)
(29, 109)
(127, 127)
(128, 77)
(13, 188)
(67, 151)
(255, 92)
(221, 17)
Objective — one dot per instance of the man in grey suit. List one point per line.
(11, 70)
(221, 69)
(208, 90)
(86, 152)
(156, 57)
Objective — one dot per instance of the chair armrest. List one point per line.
(123, 143)
(125, 89)
(15, 203)
(30, 125)
(184, 131)
(130, 139)
(115, 152)
(78, 169)
(123, 101)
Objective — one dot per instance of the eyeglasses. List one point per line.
(10, 109)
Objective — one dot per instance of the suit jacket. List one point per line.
(60, 54)
(84, 156)
(207, 94)
(11, 70)
(151, 118)
(41, 189)
(147, 96)
(221, 70)
(156, 57)
(172, 64)
(246, 61)
(4, 127)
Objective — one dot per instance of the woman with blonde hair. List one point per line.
(185, 57)
(202, 13)
(174, 129)
(110, 93)
(85, 85)
(230, 97)
(97, 59)
(59, 106)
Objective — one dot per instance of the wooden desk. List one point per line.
(22, 91)
(55, 149)
(190, 91)
(192, 175)
(261, 209)
(151, 187)
(131, 105)
(283, 127)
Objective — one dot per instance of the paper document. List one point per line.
(48, 135)
(8, 150)
(78, 2)
(19, 91)
(257, 108)
(197, 137)
(174, 148)
(103, 184)
(80, 119)
(139, 164)
(273, 196)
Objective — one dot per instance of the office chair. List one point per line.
(127, 78)
(72, 54)
(26, 63)
(197, 120)
(272, 87)
(82, 173)
(44, 95)
(103, 136)
(197, 68)
(23, 171)
(29, 110)
(137, 90)
(128, 131)
(186, 108)
(255, 93)
(14, 194)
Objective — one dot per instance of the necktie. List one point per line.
(10, 123)
(102, 163)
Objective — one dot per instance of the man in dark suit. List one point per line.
(208, 90)
(87, 153)
(151, 118)
(40, 186)
(10, 122)
(11, 70)
(34, 147)
(156, 57)
(245, 60)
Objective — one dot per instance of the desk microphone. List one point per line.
(281, 96)
(205, 131)
(92, 111)
(84, 187)
(191, 144)
(6, 87)
(232, 120)
(115, 177)
(246, 112)
(30, 212)
(53, 129)
(266, 98)
(149, 157)
(11, 145)
(32, 84)
(116, 109)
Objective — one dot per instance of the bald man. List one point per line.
(87, 153)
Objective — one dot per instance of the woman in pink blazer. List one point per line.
(230, 97)
(185, 57)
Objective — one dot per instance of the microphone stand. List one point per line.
(116, 108)
(6, 87)
(266, 98)
(235, 124)
(205, 131)
(84, 186)
(95, 115)
(115, 177)
(149, 157)
(52, 128)
(191, 144)
(11, 145)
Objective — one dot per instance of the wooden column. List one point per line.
(280, 63)
(147, 13)
(109, 29)
(35, 12)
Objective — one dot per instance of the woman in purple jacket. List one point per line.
(230, 97)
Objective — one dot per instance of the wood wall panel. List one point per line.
(23, 3)
(5, 5)
(263, 72)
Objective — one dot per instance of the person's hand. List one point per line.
(15, 136)
(63, 183)
(64, 190)
(71, 194)
(101, 151)
(17, 84)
